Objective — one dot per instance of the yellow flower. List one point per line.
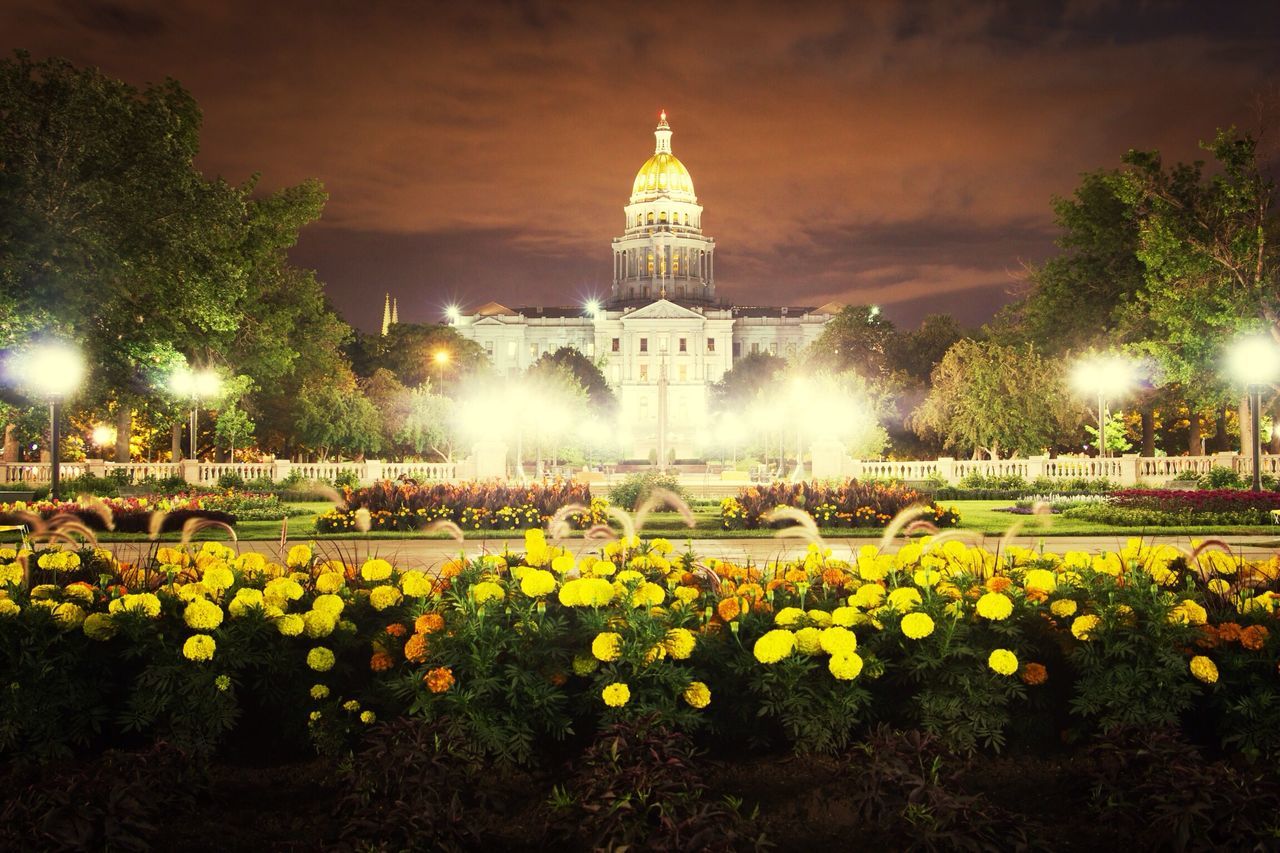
(584, 665)
(368, 717)
(995, 606)
(917, 626)
(616, 695)
(809, 640)
(70, 615)
(787, 616)
(328, 603)
(375, 570)
(838, 640)
(680, 643)
(1063, 607)
(537, 582)
(382, 597)
(903, 599)
(1188, 613)
(845, 665)
(299, 555)
(202, 615)
(9, 608)
(319, 691)
(99, 626)
(697, 695)
(607, 646)
(487, 591)
(318, 623)
(218, 578)
(199, 647)
(416, 584)
(291, 625)
(329, 582)
(562, 564)
(648, 595)
(1204, 669)
(1082, 627)
(1040, 579)
(774, 646)
(320, 659)
(870, 595)
(846, 616)
(1003, 661)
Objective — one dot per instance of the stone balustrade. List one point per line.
(208, 473)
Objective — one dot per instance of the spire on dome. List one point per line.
(663, 135)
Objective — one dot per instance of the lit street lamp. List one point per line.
(52, 371)
(441, 358)
(1106, 377)
(194, 386)
(1255, 361)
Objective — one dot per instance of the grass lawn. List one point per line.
(979, 516)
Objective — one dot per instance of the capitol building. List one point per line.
(664, 335)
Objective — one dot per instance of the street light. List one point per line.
(103, 435)
(51, 370)
(592, 308)
(441, 358)
(1255, 361)
(1106, 377)
(194, 386)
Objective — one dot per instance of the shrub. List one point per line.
(1220, 477)
(87, 484)
(1168, 507)
(852, 503)
(473, 506)
(1003, 482)
(230, 480)
(346, 480)
(635, 488)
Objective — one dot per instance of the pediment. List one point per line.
(490, 320)
(662, 309)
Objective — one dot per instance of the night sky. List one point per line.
(897, 153)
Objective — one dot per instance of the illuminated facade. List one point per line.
(662, 330)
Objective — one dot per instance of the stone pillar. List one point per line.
(1036, 466)
(947, 469)
(95, 467)
(828, 457)
(1128, 469)
(191, 471)
(280, 469)
(490, 460)
(372, 471)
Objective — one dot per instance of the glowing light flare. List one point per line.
(53, 369)
(1254, 360)
(453, 313)
(103, 435)
(592, 308)
(194, 384)
(441, 357)
(1108, 376)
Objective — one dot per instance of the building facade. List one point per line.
(663, 336)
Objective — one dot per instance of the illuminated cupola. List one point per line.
(662, 252)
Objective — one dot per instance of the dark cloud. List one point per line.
(903, 153)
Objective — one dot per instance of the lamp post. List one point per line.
(52, 370)
(441, 358)
(194, 386)
(1105, 377)
(1255, 361)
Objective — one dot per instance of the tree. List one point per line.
(858, 338)
(232, 425)
(586, 372)
(334, 416)
(409, 351)
(750, 375)
(429, 425)
(917, 353)
(992, 398)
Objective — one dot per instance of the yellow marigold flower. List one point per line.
(845, 666)
(1204, 669)
(9, 608)
(607, 646)
(280, 591)
(375, 570)
(1040, 579)
(1219, 586)
(319, 691)
(251, 563)
(1003, 662)
(320, 659)
(697, 695)
(537, 582)
(1082, 627)
(329, 582)
(994, 606)
(299, 555)
(202, 615)
(80, 591)
(870, 595)
(487, 591)
(562, 564)
(99, 626)
(809, 640)
(656, 652)
(1063, 607)
(774, 646)
(903, 598)
(318, 623)
(687, 594)
(1188, 613)
(328, 603)
(290, 624)
(351, 705)
(382, 597)
(584, 665)
(680, 643)
(70, 615)
(926, 578)
(218, 578)
(917, 626)
(10, 574)
(788, 616)
(616, 694)
(416, 584)
(648, 595)
(838, 640)
(368, 718)
(245, 600)
(846, 616)
(199, 647)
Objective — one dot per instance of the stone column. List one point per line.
(1036, 466)
(1128, 469)
(191, 471)
(280, 469)
(372, 471)
(947, 469)
(828, 457)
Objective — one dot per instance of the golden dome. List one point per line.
(663, 174)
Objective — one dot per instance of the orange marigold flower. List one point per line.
(395, 629)
(381, 662)
(973, 593)
(1208, 638)
(416, 649)
(999, 583)
(1254, 637)
(1229, 632)
(728, 609)
(751, 590)
(439, 679)
(796, 575)
(833, 577)
(687, 578)
(428, 623)
(1034, 673)
(1037, 595)
(761, 605)
(451, 569)
(558, 679)
(775, 584)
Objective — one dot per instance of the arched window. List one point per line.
(650, 218)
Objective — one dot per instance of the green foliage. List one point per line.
(230, 480)
(1116, 431)
(583, 370)
(1220, 477)
(633, 489)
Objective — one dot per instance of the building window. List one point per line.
(644, 345)
(533, 352)
(773, 348)
(644, 373)
(755, 347)
(684, 373)
(737, 349)
(511, 350)
(488, 348)
(711, 344)
(684, 345)
(616, 346)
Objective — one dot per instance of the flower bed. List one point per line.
(1181, 507)
(123, 515)
(499, 659)
(847, 505)
(472, 506)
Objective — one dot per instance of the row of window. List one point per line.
(660, 219)
(616, 346)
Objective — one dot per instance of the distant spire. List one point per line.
(386, 315)
(395, 312)
(662, 133)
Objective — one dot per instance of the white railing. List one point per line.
(422, 471)
(208, 473)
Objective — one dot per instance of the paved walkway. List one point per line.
(418, 553)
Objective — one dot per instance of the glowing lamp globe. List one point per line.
(51, 370)
(1106, 376)
(1254, 360)
(103, 435)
